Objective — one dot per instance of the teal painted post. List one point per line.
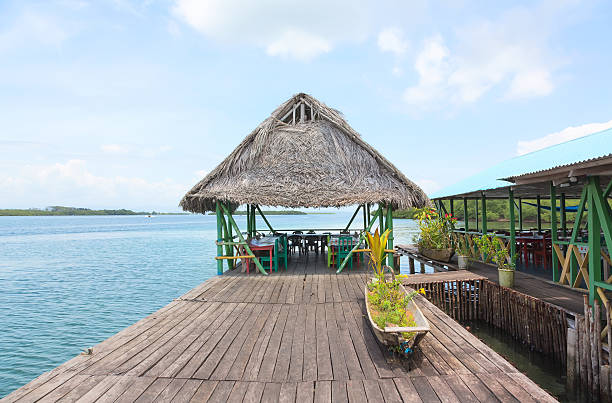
(539, 216)
(484, 214)
(553, 227)
(563, 215)
(365, 218)
(219, 239)
(466, 217)
(381, 225)
(594, 238)
(477, 216)
(520, 211)
(390, 260)
(253, 221)
(512, 226)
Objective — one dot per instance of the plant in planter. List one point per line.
(396, 320)
(490, 245)
(463, 250)
(436, 234)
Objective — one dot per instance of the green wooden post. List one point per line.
(264, 218)
(553, 227)
(227, 238)
(365, 219)
(242, 240)
(539, 216)
(563, 215)
(512, 225)
(352, 218)
(520, 211)
(390, 260)
(380, 219)
(253, 221)
(477, 216)
(594, 239)
(248, 220)
(219, 239)
(369, 212)
(484, 214)
(466, 217)
(575, 232)
(452, 207)
(361, 239)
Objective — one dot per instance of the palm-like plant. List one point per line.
(378, 245)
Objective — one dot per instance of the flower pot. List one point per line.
(441, 255)
(463, 262)
(506, 277)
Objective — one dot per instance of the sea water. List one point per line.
(67, 283)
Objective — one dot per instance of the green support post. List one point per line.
(563, 215)
(594, 239)
(512, 225)
(553, 227)
(264, 218)
(539, 216)
(352, 218)
(466, 217)
(219, 239)
(452, 207)
(391, 260)
(576, 231)
(248, 220)
(520, 211)
(227, 238)
(365, 219)
(369, 212)
(253, 221)
(477, 217)
(242, 240)
(380, 219)
(484, 214)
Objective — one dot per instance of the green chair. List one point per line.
(345, 245)
(331, 253)
(280, 251)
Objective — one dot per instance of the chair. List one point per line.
(312, 242)
(295, 241)
(331, 253)
(345, 245)
(280, 250)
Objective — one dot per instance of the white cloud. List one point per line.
(392, 40)
(513, 54)
(73, 184)
(289, 29)
(114, 149)
(200, 174)
(33, 27)
(569, 133)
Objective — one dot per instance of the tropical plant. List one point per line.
(462, 246)
(491, 245)
(378, 244)
(436, 229)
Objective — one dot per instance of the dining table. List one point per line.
(265, 243)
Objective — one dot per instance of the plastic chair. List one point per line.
(331, 253)
(345, 245)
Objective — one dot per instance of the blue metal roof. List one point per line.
(593, 146)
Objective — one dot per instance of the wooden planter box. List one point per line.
(392, 336)
(442, 255)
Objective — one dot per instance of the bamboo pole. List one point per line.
(246, 246)
(219, 239)
(264, 218)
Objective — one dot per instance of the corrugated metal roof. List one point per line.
(593, 146)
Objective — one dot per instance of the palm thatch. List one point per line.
(304, 155)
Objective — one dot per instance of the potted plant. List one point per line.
(396, 320)
(464, 253)
(434, 240)
(490, 245)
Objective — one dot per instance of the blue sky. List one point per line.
(110, 104)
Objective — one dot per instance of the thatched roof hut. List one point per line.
(304, 155)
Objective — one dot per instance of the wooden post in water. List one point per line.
(422, 267)
(572, 341)
(411, 264)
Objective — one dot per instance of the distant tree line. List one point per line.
(69, 211)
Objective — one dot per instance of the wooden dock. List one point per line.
(569, 299)
(298, 335)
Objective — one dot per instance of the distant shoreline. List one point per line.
(74, 211)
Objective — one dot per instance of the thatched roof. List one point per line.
(304, 155)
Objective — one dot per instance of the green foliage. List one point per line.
(388, 304)
(377, 244)
(436, 230)
(490, 245)
(70, 211)
(461, 246)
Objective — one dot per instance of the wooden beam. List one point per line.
(246, 246)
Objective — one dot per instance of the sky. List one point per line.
(128, 103)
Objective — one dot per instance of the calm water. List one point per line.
(67, 283)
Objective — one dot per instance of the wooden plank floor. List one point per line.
(570, 300)
(298, 335)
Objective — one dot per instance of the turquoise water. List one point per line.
(67, 283)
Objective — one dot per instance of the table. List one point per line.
(265, 244)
